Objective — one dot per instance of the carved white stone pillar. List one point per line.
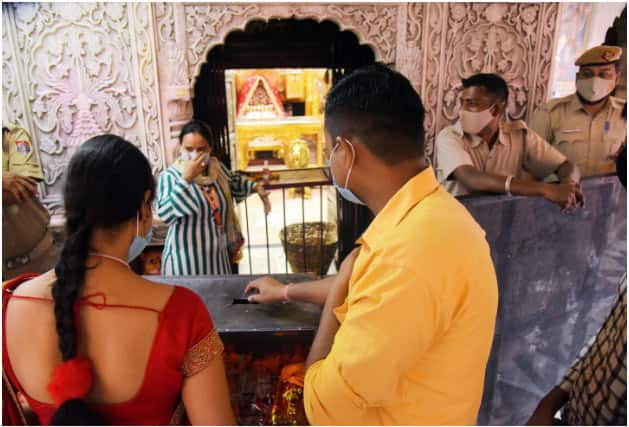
(176, 94)
(230, 88)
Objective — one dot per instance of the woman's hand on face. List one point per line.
(192, 168)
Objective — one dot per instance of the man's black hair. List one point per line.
(493, 84)
(381, 108)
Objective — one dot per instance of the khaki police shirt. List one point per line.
(518, 151)
(23, 224)
(18, 154)
(589, 142)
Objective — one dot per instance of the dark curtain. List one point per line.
(210, 102)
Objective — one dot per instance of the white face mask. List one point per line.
(191, 155)
(188, 155)
(139, 242)
(594, 89)
(473, 122)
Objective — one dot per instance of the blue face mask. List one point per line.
(139, 242)
(345, 192)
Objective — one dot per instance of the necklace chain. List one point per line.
(111, 257)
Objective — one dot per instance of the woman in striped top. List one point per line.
(195, 199)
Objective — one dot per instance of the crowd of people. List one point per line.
(423, 263)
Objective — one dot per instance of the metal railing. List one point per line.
(314, 179)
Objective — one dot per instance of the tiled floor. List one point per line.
(320, 204)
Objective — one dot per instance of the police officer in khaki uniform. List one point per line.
(483, 152)
(27, 244)
(587, 126)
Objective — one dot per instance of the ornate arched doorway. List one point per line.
(281, 43)
(274, 43)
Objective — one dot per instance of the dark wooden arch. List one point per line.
(281, 43)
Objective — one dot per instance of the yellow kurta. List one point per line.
(418, 322)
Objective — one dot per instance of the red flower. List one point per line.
(71, 379)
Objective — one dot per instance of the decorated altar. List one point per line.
(275, 109)
(279, 134)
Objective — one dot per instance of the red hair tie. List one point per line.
(71, 379)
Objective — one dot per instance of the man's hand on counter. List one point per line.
(269, 290)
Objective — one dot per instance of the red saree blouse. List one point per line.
(184, 344)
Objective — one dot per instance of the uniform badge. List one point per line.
(23, 146)
(608, 55)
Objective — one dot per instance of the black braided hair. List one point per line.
(105, 185)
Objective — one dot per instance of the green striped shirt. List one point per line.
(194, 244)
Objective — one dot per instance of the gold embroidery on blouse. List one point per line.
(202, 353)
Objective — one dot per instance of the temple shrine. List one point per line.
(257, 74)
(279, 111)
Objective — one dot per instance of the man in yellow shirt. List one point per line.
(407, 340)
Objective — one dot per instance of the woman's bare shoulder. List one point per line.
(37, 287)
(156, 286)
(158, 294)
(184, 295)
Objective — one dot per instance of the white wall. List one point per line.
(603, 15)
(75, 70)
(580, 27)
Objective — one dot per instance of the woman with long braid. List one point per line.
(93, 343)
